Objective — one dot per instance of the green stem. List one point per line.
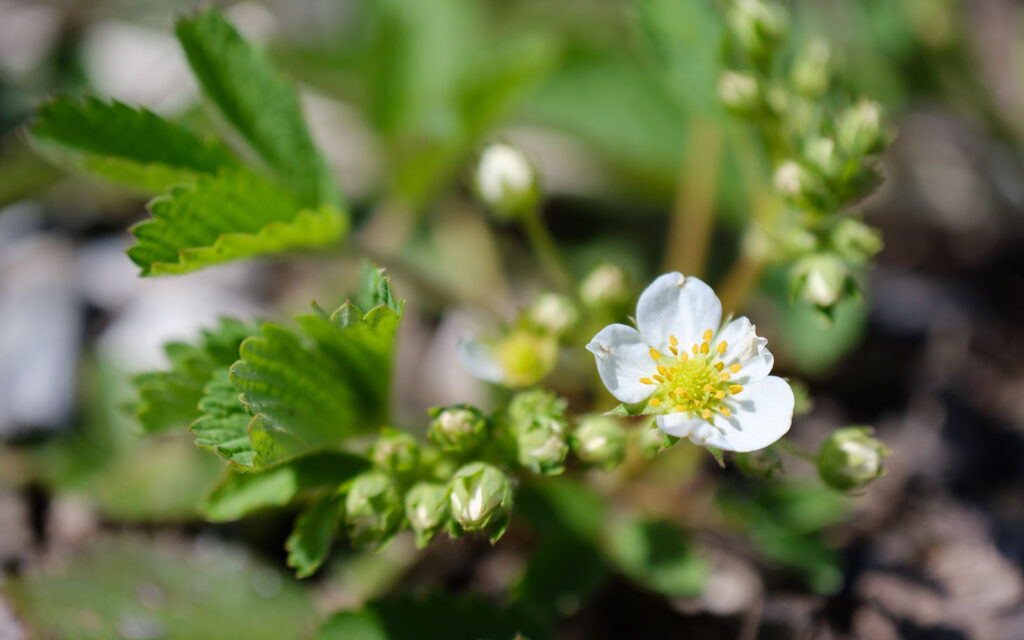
(796, 451)
(693, 210)
(546, 249)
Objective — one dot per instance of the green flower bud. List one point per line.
(373, 509)
(739, 92)
(821, 154)
(820, 279)
(506, 182)
(599, 440)
(396, 451)
(811, 69)
(480, 498)
(856, 241)
(526, 357)
(851, 458)
(553, 313)
(794, 182)
(859, 129)
(426, 508)
(763, 464)
(758, 26)
(605, 287)
(537, 424)
(458, 429)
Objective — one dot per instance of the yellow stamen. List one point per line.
(695, 347)
(722, 346)
(719, 394)
(662, 370)
(719, 366)
(705, 413)
(674, 351)
(646, 381)
(654, 402)
(680, 408)
(658, 378)
(707, 335)
(726, 376)
(683, 357)
(680, 392)
(655, 355)
(672, 340)
(725, 412)
(735, 388)
(735, 368)
(704, 347)
(708, 388)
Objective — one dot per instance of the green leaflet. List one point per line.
(314, 387)
(170, 399)
(239, 494)
(310, 540)
(259, 103)
(224, 425)
(134, 147)
(232, 215)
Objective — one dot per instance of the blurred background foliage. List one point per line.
(616, 103)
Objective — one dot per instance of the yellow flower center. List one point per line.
(695, 380)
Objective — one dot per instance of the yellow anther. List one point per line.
(735, 368)
(646, 381)
(655, 354)
(705, 348)
(719, 394)
(683, 357)
(708, 388)
(705, 413)
(672, 340)
(707, 335)
(725, 411)
(674, 351)
(735, 388)
(662, 370)
(696, 403)
(680, 408)
(722, 346)
(680, 392)
(726, 376)
(695, 347)
(654, 402)
(658, 378)
(719, 366)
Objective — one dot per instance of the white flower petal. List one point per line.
(479, 359)
(679, 425)
(677, 305)
(747, 348)
(761, 414)
(622, 359)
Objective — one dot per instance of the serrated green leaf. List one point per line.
(259, 103)
(310, 540)
(232, 215)
(224, 424)
(316, 386)
(134, 147)
(375, 289)
(238, 494)
(170, 399)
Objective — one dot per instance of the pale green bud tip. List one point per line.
(457, 429)
(792, 180)
(553, 313)
(820, 279)
(505, 180)
(426, 508)
(526, 357)
(605, 286)
(821, 154)
(396, 451)
(855, 240)
(758, 25)
(599, 440)
(859, 129)
(811, 69)
(851, 458)
(538, 425)
(738, 92)
(480, 498)
(373, 509)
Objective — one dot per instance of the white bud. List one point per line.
(505, 180)
(791, 180)
(553, 312)
(738, 91)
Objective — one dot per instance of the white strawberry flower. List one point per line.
(703, 381)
